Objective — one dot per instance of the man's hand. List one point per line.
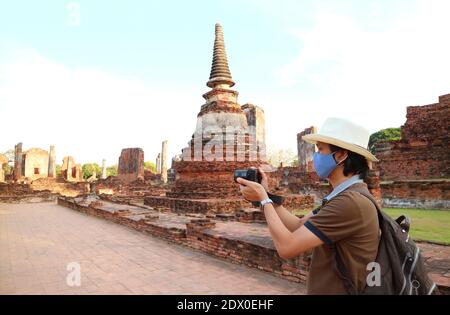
(252, 191)
(264, 180)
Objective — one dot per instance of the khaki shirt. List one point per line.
(349, 220)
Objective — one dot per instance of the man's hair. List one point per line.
(354, 163)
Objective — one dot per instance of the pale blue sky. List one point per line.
(132, 72)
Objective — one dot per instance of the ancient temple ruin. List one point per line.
(71, 171)
(131, 165)
(35, 163)
(415, 170)
(221, 143)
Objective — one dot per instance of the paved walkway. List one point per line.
(39, 241)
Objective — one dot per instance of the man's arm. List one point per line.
(289, 244)
(291, 221)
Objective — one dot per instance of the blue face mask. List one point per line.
(324, 164)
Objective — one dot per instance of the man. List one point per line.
(347, 220)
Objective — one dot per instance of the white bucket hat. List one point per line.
(344, 134)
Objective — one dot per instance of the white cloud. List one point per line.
(88, 113)
(371, 72)
(367, 70)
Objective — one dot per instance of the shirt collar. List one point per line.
(343, 186)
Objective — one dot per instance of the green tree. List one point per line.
(58, 170)
(277, 156)
(150, 166)
(10, 155)
(8, 167)
(111, 170)
(89, 168)
(388, 134)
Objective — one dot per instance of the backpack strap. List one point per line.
(339, 265)
(342, 271)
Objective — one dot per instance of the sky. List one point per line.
(94, 77)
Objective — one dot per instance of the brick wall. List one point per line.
(131, 164)
(422, 152)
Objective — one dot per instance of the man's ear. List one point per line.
(340, 156)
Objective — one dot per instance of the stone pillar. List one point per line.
(51, 162)
(164, 161)
(69, 167)
(103, 169)
(257, 124)
(158, 164)
(305, 150)
(18, 161)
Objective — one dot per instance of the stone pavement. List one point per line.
(38, 241)
(437, 259)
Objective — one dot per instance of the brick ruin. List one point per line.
(415, 170)
(71, 171)
(132, 183)
(34, 179)
(35, 163)
(131, 165)
(223, 141)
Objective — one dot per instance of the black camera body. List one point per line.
(251, 174)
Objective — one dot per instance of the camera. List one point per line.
(251, 174)
(254, 175)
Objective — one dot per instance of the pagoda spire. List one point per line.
(220, 73)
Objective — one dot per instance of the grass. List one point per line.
(426, 224)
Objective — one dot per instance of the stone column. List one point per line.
(69, 169)
(305, 150)
(18, 161)
(164, 162)
(103, 169)
(158, 164)
(51, 162)
(257, 126)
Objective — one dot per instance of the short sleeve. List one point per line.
(337, 219)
